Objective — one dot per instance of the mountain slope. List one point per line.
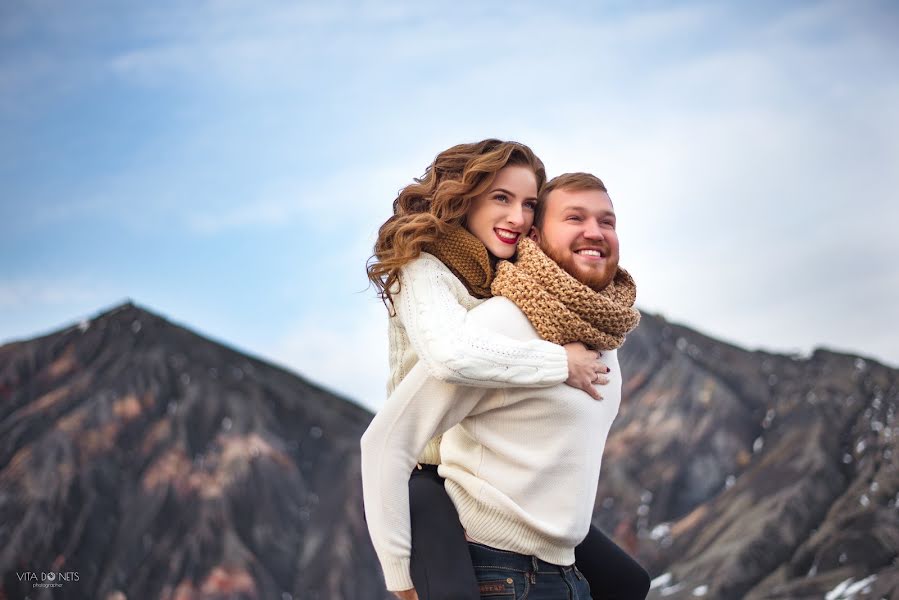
(154, 462)
(750, 474)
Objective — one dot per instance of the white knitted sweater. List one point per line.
(521, 467)
(431, 324)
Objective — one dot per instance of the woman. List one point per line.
(434, 261)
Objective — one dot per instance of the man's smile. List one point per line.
(591, 253)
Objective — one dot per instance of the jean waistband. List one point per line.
(486, 556)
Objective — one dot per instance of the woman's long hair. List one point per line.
(439, 198)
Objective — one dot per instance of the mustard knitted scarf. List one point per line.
(466, 257)
(561, 308)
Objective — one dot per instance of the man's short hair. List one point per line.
(567, 181)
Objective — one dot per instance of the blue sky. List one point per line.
(227, 164)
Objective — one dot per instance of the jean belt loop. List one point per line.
(533, 569)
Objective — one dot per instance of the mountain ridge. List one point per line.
(157, 461)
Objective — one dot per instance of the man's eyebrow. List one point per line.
(582, 209)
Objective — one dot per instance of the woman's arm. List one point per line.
(457, 352)
(417, 410)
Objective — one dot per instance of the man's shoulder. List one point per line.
(503, 316)
(498, 307)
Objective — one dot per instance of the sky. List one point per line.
(227, 164)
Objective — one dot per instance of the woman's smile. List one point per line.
(506, 236)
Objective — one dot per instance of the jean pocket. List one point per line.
(500, 584)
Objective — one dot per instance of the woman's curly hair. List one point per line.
(439, 198)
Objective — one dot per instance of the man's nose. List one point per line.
(592, 230)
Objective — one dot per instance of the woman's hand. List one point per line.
(585, 370)
(406, 594)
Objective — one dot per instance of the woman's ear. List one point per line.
(534, 234)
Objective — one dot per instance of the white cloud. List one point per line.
(344, 198)
(345, 350)
(751, 157)
(26, 293)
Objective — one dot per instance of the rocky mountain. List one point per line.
(737, 474)
(141, 460)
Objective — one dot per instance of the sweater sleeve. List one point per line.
(417, 410)
(458, 351)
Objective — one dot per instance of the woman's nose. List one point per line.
(515, 216)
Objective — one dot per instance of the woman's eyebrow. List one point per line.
(510, 193)
(503, 190)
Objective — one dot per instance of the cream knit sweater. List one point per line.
(431, 324)
(521, 467)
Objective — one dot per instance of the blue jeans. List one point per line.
(504, 575)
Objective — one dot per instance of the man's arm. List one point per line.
(419, 408)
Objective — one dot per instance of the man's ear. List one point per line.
(534, 234)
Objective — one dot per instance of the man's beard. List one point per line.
(595, 280)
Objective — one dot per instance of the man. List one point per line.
(521, 465)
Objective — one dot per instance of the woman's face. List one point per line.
(505, 212)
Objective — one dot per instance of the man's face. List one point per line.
(578, 233)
